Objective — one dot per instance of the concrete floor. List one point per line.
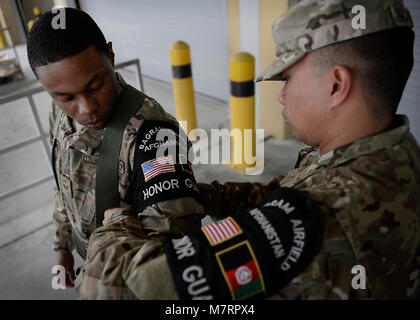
(26, 229)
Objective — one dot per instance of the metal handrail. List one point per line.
(13, 46)
(137, 63)
(43, 137)
(39, 89)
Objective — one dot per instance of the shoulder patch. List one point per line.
(250, 256)
(220, 231)
(161, 169)
(241, 270)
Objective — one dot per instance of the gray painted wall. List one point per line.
(28, 5)
(146, 30)
(410, 101)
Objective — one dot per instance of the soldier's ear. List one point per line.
(111, 54)
(340, 85)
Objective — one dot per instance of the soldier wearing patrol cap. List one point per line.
(344, 223)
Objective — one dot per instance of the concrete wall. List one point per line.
(249, 24)
(28, 5)
(146, 30)
(9, 21)
(270, 109)
(410, 101)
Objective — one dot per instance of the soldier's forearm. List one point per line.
(120, 253)
(123, 262)
(62, 239)
(231, 198)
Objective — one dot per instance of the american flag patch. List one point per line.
(154, 167)
(222, 230)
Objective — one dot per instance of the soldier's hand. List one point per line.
(108, 213)
(128, 211)
(66, 259)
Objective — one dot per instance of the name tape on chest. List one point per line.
(92, 160)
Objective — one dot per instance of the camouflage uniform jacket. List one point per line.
(369, 191)
(76, 155)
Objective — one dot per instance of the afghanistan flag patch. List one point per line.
(241, 270)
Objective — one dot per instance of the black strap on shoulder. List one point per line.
(106, 190)
(55, 133)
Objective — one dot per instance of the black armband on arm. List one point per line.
(158, 177)
(252, 255)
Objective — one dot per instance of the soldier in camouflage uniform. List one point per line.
(363, 171)
(69, 59)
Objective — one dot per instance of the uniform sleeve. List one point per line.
(367, 238)
(378, 220)
(163, 191)
(122, 263)
(329, 276)
(62, 236)
(231, 198)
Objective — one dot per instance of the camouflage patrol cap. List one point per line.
(312, 24)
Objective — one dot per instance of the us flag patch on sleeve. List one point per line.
(221, 231)
(156, 166)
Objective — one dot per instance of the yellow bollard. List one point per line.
(3, 42)
(183, 84)
(31, 24)
(242, 106)
(37, 12)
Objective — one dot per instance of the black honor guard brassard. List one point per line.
(161, 169)
(251, 256)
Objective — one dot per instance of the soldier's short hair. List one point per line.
(381, 62)
(47, 44)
